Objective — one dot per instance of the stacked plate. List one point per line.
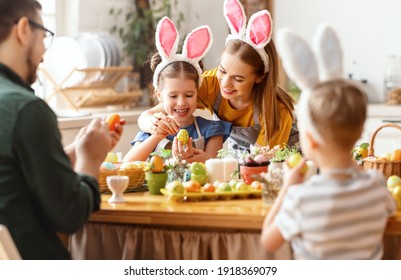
(86, 50)
(100, 49)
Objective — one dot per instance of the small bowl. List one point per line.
(117, 185)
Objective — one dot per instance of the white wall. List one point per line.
(369, 31)
(93, 16)
(209, 12)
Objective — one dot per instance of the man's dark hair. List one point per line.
(12, 10)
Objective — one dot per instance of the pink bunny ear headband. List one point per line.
(308, 67)
(257, 34)
(196, 45)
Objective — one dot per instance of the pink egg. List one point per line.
(260, 158)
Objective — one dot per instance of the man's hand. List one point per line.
(92, 144)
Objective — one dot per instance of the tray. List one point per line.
(211, 195)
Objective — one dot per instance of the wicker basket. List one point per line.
(387, 167)
(135, 173)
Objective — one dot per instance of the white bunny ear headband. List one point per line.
(258, 32)
(307, 67)
(196, 45)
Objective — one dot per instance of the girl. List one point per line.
(176, 80)
(243, 89)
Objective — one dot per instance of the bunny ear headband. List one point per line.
(307, 67)
(257, 34)
(196, 45)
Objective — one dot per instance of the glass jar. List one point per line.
(392, 75)
(272, 186)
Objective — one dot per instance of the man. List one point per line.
(43, 189)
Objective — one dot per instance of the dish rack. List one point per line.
(94, 87)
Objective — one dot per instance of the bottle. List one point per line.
(392, 75)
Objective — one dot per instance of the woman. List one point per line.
(244, 88)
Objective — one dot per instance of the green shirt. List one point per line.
(39, 191)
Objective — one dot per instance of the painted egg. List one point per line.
(108, 165)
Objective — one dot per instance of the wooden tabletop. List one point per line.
(156, 210)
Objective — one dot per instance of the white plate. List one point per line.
(107, 50)
(113, 47)
(92, 49)
(63, 56)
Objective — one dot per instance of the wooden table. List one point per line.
(145, 209)
(230, 221)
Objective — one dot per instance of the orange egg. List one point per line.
(156, 164)
(396, 155)
(192, 186)
(208, 187)
(112, 120)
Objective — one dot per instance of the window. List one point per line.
(49, 14)
(49, 21)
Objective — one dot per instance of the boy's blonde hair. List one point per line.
(338, 111)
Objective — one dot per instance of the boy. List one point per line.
(342, 212)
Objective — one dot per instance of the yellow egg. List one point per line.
(396, 192)
(183, 136)
(111, 157)
(393, 181)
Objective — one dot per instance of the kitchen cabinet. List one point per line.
(387, 139)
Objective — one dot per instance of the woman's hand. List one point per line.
(164, 125)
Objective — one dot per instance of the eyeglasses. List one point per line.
(48, 40)
(49, 35)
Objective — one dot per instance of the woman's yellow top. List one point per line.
(207, 94)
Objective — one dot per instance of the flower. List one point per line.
(177, 169)
(257, 156)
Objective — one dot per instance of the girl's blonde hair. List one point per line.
(338, 111)
(267, 94)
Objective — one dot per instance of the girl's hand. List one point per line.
(183, 151)
(164, 125)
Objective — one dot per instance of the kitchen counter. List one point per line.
(75, 120)
(72, 119)
(152, 227)
(380, 110)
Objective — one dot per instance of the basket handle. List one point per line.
(372, 140)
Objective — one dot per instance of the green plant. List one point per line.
(164, 153)
(138, 32)
(283, 153)
(222, 153)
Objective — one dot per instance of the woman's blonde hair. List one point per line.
(267, 94)
(338, 111)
